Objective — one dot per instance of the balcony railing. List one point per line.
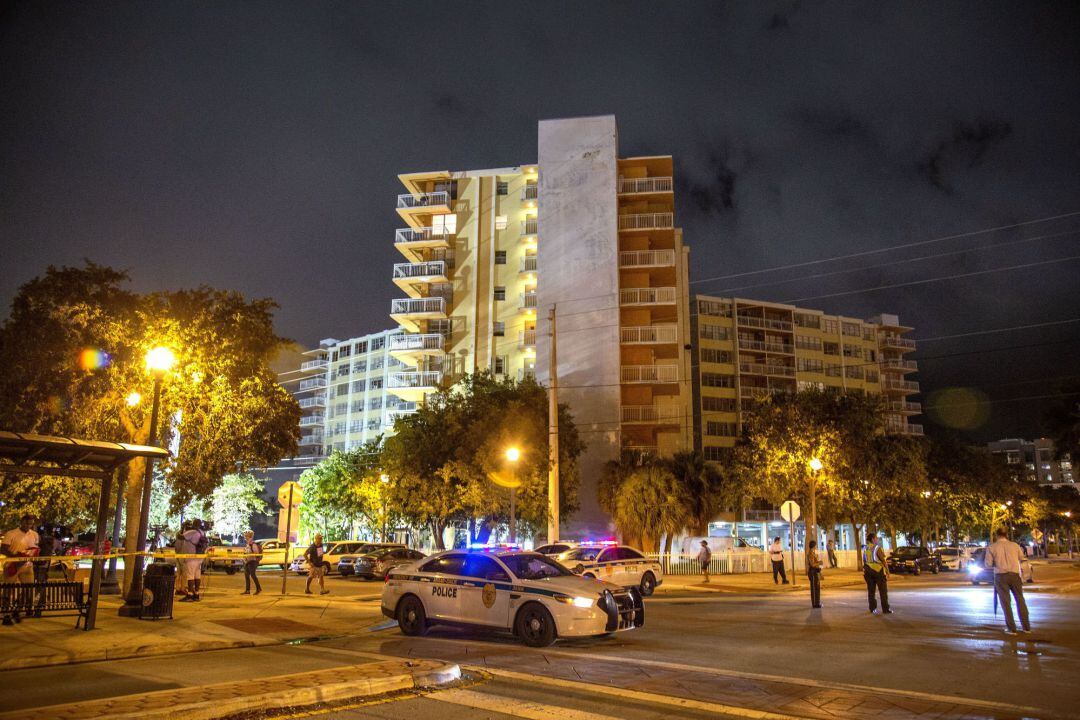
(315, 382)
(529, 226)
(632, 374)
(904, 428)
(418, 306)
(892, 341)
(422, 379)
(425, 341)
(308, 460)
(648, 414)
(765, 324)
(312, 439)
(408, 200)
(649, 335)
(751, 392)
(646, 258)
(529, 192)
(628, 186)
(766, 346)
(310, 402)
(647, 221)
(526, 374)
(902, 406)
(314, 365)
(647, 296)
(527, 338)
(763, 369)
(431, 269)
(312, 420)
(528, 300)
(908, 385)
(900, 365)
(528, 264)
(413, 235)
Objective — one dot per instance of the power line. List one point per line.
(999, 330)
(1002, 400)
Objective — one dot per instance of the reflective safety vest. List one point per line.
(870, 560)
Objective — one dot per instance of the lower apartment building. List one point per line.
(1036, 461)
(748, 350)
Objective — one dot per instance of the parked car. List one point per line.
(346, 565)
(332, 553)
(273, 552)
(979, 573)
(913, 559)
(221, 556)
(381, 560)
(953, 557)
(84, 545)
(554, 548)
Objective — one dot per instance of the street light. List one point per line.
(133, 399)
(513, 454)
(815, 464)
(159, 361)
(109, 586)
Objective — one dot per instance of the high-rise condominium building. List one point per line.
(1036, 460)
(746, 350)
(491, 253)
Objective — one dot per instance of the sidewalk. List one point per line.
(757, 583)
(222, 619)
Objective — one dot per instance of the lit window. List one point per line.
(500, 222)
(444, 224)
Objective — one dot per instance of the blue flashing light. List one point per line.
(494, 546)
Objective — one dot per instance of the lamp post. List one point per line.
(158, 363)
(109, 585)
(512, 457)
(385, 480)
(815, 468)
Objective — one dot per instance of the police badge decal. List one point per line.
(488, 596)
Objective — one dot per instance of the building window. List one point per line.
(717, 380)
(810, 365)
(853, 371)
(831, 348)
(444, 224)
(500, 257)
(500, 222)
(830, 325)
(709, 355)
(358, 386)
(377, 363)
(373, 424)
(375, 403)
(498, 365)
(868, 333)
(853, 351)
(358, 406)
(715, 453)
(376, 383)
(723, 429)
(361, 347)
(717, 404)
(500, 292)
(715, 308)
(808, 321)
(832, 369)
(714, 332)
(345, 351)
(378, 343)
(851, 329)
(341, 408)
(805, 342)
(356, 426)
(359, 366)
(871, 376)
(502, 188)
(498, 329)
(439, 327)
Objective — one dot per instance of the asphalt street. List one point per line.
(941, 654)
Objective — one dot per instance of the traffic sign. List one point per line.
(297, 493)
(790, 510)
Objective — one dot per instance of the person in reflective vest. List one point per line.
(876, 574)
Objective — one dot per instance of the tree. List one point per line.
(346, 489)
(233, 502)
(221, 401)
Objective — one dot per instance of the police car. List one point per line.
(617, 564)
(506, 588)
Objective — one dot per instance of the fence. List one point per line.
(734, 563)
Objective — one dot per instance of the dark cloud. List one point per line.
(964, 149)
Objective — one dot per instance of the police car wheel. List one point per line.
(648, 584)
(934, 569)
(535, 626)
(917, 570)
(411, 617)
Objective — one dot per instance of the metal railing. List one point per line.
(650, 373)
(314, 365)
(529, 226)
(410, 235)
(408, 200)
(529, 192)
(528, 264)
(432, 268)
(524, 373)
(646, 258)
(897, 342)
(901, 406)
(649, 334)
(528, 300)
(313, 439)
(648, 414)
(311, 420)
(311, 402)
(421, 341)
(416, 306)
(421, 379)
(527, 338)
(764, 323)
(647, 296)
(902, 365)
(315, 382)
(909, 385)
(761, 369)
(766, 346)
(646, 221)
(751, 392)
(629, 186)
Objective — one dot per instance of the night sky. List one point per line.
(256, 145)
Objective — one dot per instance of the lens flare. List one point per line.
(93, 359)
(959, 407)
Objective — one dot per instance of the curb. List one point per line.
(219, 700)
(123, 653)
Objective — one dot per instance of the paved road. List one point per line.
(699, 655)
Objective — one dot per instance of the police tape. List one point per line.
(119, 554)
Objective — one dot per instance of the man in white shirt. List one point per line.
(1005, 556)
(776, 555)
(22, 541)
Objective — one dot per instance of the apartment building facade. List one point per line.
(748, 350)
(1035, 460)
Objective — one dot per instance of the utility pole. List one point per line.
(553, 436)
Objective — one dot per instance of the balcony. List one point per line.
(901, 366)
(529, 226)
(315, 382)
(528, 264)
(307, 460)
(410, 348)
(907, 386)
(527, 339)
(649, 374)
(761, 346)
(524, 374)
(649, 415)
(898, 343)
(312, 420)
(910, 408)
(310, 402)
(764, 323)
(527, 301)
(642, 186)
(646, 258)
(750, 392)
(647, 221)
(408, 276)
(647, 296)
(404, 409)
(530, 192)
(412, 386)
(311, 439)
(649, 335)
(314, 365)
(407, 312)
(903, 428)
(766, 369)
(420, 238)
(435, 202)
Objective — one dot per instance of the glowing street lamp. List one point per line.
(133, 399)
(816, 464)
(513, 454)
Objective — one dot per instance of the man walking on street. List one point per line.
(876, 574)
(251, 563)
(1004, 557)
(813, 573)
(704, 557)
(830, 547)
(776, 554)
(192, 542)
(317, 567)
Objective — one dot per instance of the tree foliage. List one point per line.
(233, 502)
(346, 493)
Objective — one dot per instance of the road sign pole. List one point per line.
(288, 535)
(791, 532)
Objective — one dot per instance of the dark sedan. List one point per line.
(378, 562)
(914, 560)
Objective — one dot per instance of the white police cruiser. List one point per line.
(617, 564)
(506, 588)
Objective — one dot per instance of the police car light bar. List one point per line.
(494, 546)
(599, 542)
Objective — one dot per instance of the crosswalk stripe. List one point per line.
(512, 706)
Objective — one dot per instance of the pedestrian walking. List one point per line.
(317, 567)
(776, 555)
(192, 542)
(830, 547)
(813, 573)
(22, 541)
(1004, 557)
(181, 579)
(876, 574)
(251, 563)
(704, 557)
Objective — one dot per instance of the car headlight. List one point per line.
(581, 602)
(974, 569)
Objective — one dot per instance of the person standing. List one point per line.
(190, 542)
(1004, 556)
(317, 567)
(876, 574)
(776, 555)
(704, 557)
(22, 541)
(830, 547)
(251, 563)
(813, 573)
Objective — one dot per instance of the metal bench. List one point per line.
(35, 599)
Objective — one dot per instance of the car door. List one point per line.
(440, 586)
(608, 567)
(485, 592)
(633, 565)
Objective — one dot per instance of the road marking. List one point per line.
(513, 707)
(653, 698)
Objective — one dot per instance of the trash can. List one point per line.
(158, 587)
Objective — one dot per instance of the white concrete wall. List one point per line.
(579, 272)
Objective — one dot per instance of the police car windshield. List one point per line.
(533, 566)
(581, 553)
